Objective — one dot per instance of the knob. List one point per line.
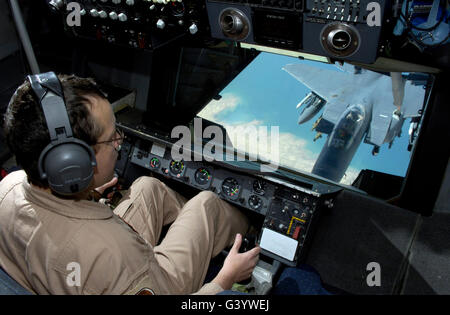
(93, 13)
(193, 29)
(116, 1)
(160, 24)
(235, 24)
(83, 12)
(113, 15)
(130, 2)
(123, 17)
(103, 14)
(56, 4)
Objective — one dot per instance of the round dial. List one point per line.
(255, 202)
(176, 167)
(177, 9)
(155, 163)
(202, 176)
(231, 187)
(259, 187)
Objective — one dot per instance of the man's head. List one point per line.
(91, 118)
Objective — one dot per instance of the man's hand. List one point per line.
(100, 190)
(237, 266)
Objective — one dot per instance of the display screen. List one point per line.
(342, 123)
(277, 28)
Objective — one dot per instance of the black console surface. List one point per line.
(288, 209)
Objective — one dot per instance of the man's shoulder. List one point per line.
(11, 181)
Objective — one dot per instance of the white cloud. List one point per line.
(350, 175)
(227, 103)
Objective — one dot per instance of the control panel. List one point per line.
(340, 29)
(288, 212)
(342, 10)
(140, 24)
(251, 193)
(343, 29)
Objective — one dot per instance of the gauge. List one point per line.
(202, 176)
(155, 163)
(259, 187)
(176, 167)
(177, 9)
(255, 202)
(231, 187)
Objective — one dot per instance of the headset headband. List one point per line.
(49, 92)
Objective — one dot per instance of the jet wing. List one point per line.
(335, 91)
(379, 126)
(383, 125)
(413, 100)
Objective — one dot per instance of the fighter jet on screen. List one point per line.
(358, 104)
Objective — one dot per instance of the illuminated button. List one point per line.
(296, 232)
(113, 15)
(93, 13)
(193, 29)
(123, 17)
(161, 24)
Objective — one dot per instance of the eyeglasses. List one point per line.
(117, 141)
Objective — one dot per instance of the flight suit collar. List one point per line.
(78, 209)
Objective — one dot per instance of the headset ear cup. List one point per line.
(68, 166)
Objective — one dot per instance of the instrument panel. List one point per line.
(251, 193)
(140, 24)
(288, 214)
(339, 29)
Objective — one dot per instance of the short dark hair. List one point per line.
(26, 130)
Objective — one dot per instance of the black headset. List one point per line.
(67, 163)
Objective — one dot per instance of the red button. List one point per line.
(296, 232)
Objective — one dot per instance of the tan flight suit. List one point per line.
(57, 246)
